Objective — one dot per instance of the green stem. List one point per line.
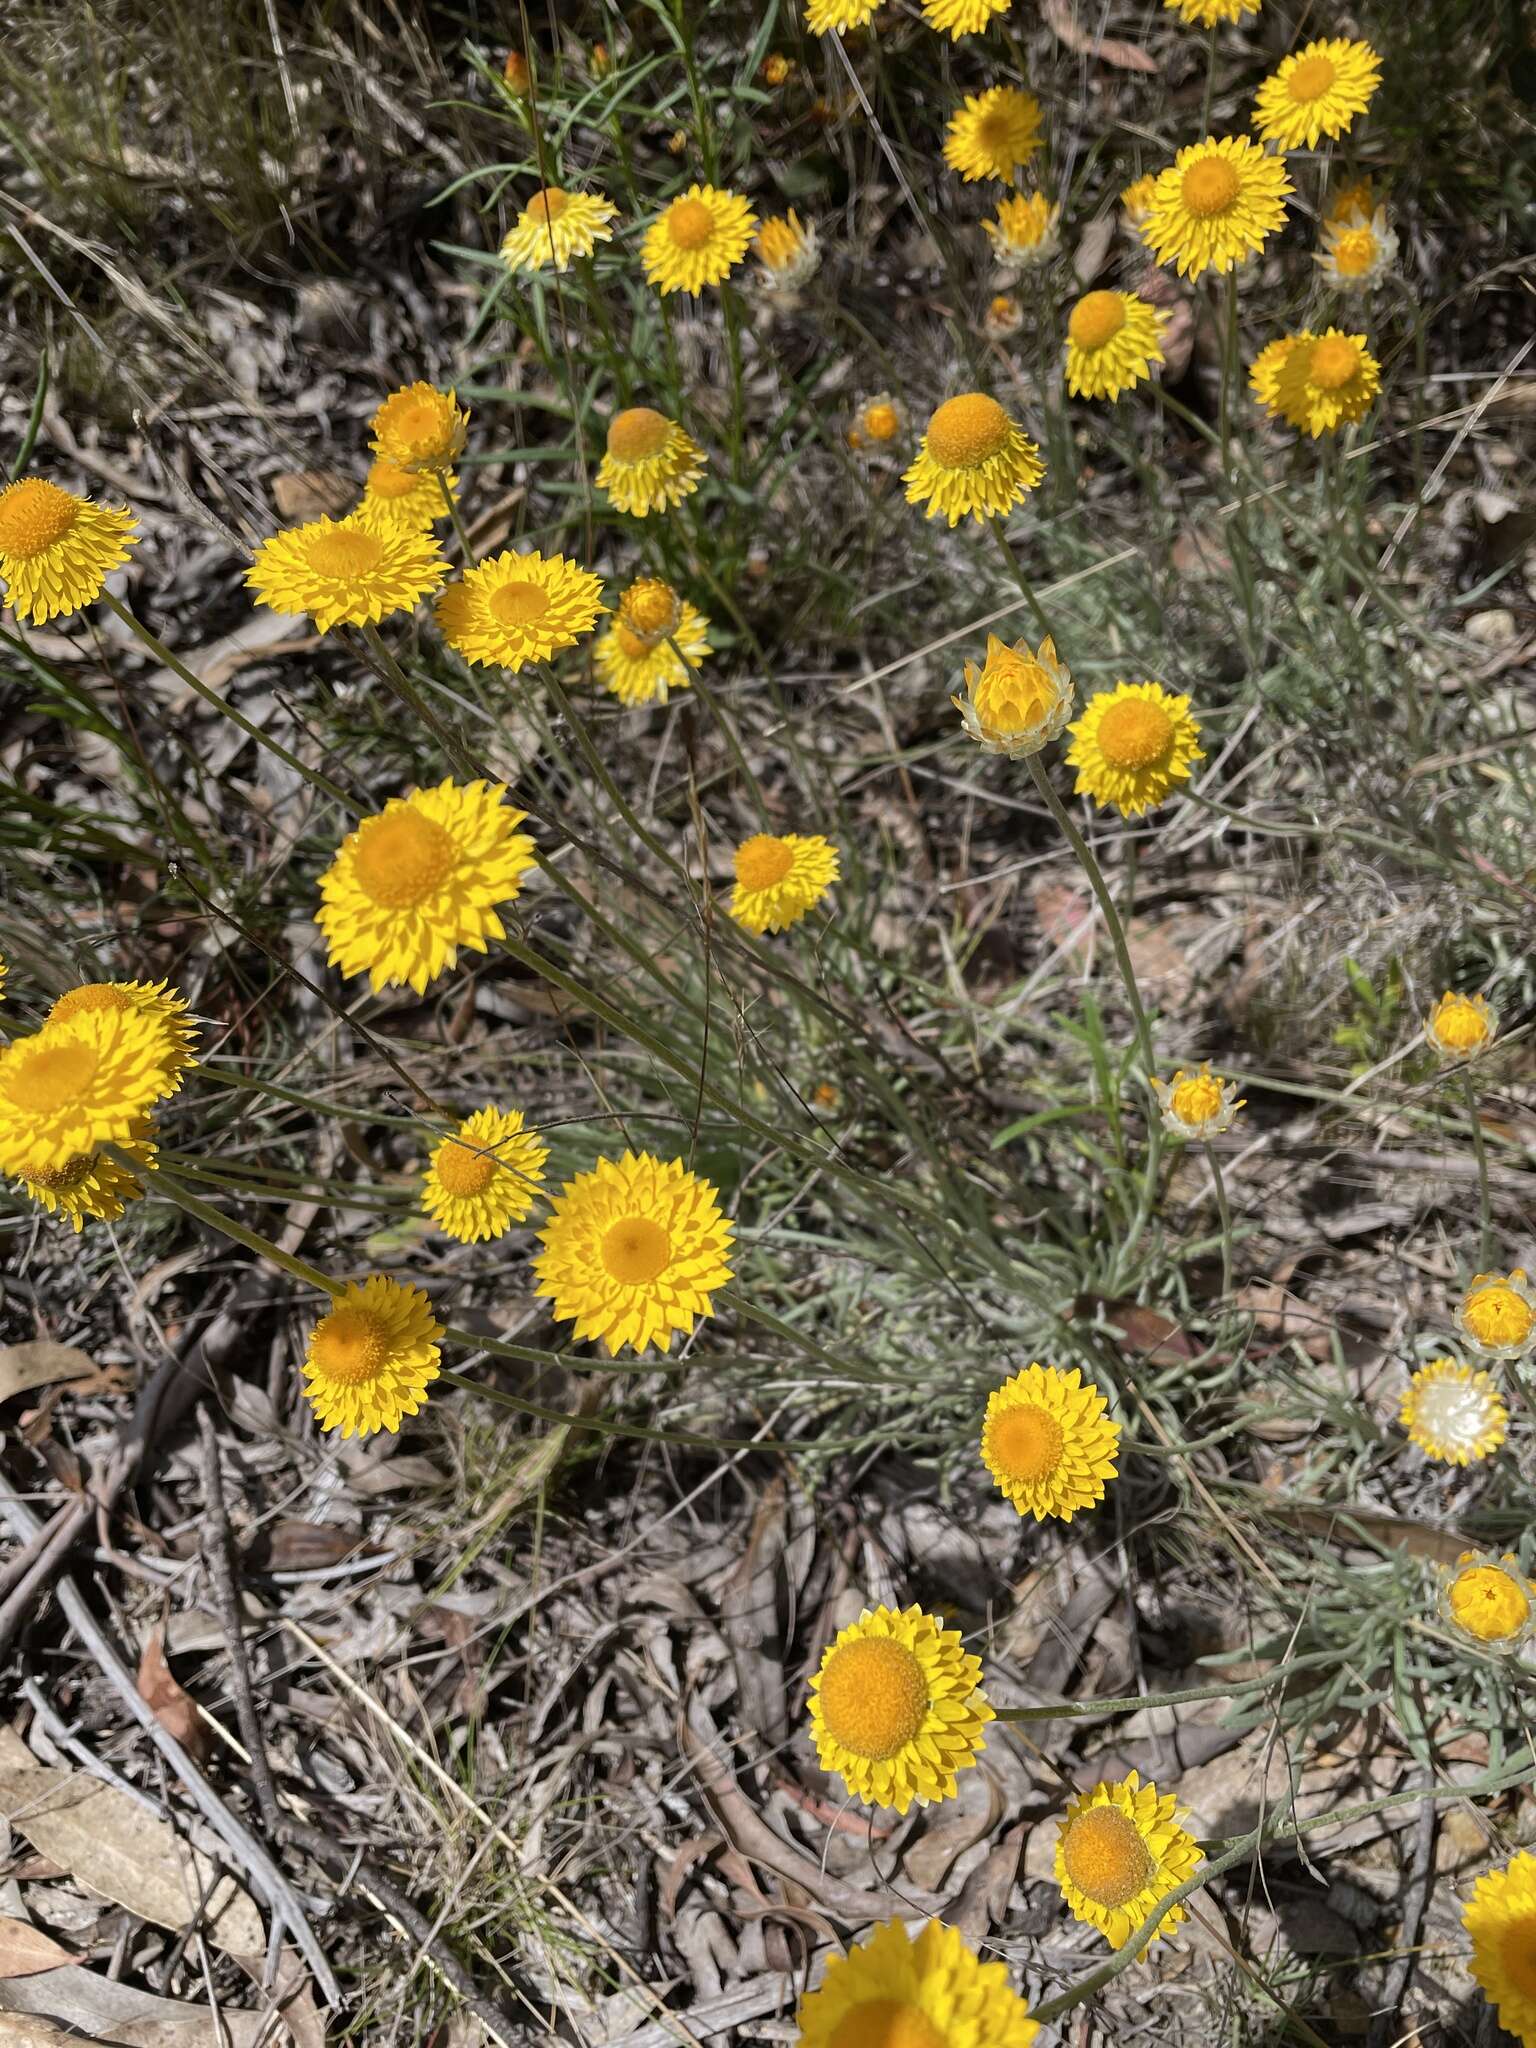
(611, 790)
(412, 698)
(1223, 1210)
(1132, 1703)
(1480, 1153)
(1017, 573)
(458, 524)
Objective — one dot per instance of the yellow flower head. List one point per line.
(1136, 203)
(787, 251)
(1357, 253)
(371, 1358)
(1217, 203)
(1048, 1441)
(92, 1183)
(698, 240)
(1500, 1917)
(878, 422)
(513, 609)
(824, 17)
(421, 878)
(483, 1178)
(896, 1991)
(974, 461)
(897, 1708)
(1017, 701)
(650, 462)
(993, 133)
(57, 550)
(1354, 201)
(957, 18)
(653, 645)
(1316, 92)
(346, 572)
(1264, 373)
(420, 428)
(1460, 1027)
(777, 69)
(1132, 745)
(779, 880)
(155, 1000)
(394, 496)
(1210, 13)
(1499, 1316)
(633, 1251)
(1004, 316)
(1026, 233)
(516, 72)
(556, 226)
(1113, 339)
(86, 1081)
(1326, 382)
(1489, 1599)
(1197, 1106)
(1120, 1850)
(1453, 1412)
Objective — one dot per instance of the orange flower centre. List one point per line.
(968, 431)
(650, 610)
(690, 223)
(463, 1170)
(886, 2023)
(415, 420)
(881, 422)
(1311, 78)
(1489, 1602)
(35, 516)
(387, 479)
(1105, 1856)
(1334, 362)
(1096, 319)
(519, 603)
(1497, 1316)
(763, 861)
(633, 646)
(1209, 187)
(637, 435)
(345, 553)
(874, 1697)
(91, 995)
(350, 1346)
(50, 1077)
(1196, 1100)
(997, 133)
(402, 858)
(635, 1250)
(1026, 1442)
(548, 205)
(1459, 1024)
(1354, 252)
(1133, 734)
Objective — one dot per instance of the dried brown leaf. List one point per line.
(174, 1708)
(39, 1364)
(1108, 49)
(301, 494)
(25, 1949)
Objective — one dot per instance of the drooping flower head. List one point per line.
(1049, 1442)
(1318, 91)
(1217, 203)
(699, 240)
(1326, 382)
(1489, 1599)
(420, 428)
(1264, 372)
(897, 1708)
(827, 17)
(1136, 204)
(1113, 339)
(156, 1001)
(1453, 1412)
(895, 1991)
(787, 251)
(555, 227)
(877, 423)
(399, 497)
(779, 879)
(650, 462)
(346, 572)
(1197, 1107)
(484, 1176)
(1460, 1027)
(974, 461)
(421, 878)
(655, 642)
(1500, 1917)
(1119, 1852)
(957, 18)
(634, 1251)
(57, 550)
(1026, 232)
(1357, 253)
(1132, 745)
(86, 1081)
(513, 609)
(1499, 1316)
(371, 1358)
(1017, 702)
(91, 1184)
(993, 134)
(1211, 13)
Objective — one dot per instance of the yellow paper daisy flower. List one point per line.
(1453, 1412)
(699, 240)
(92, 1183)
(421, 878)
(1017, 701)
(555, 227)
(155, 1000)
(897, 1708)
(825, 17)
(1048, 1441)
(370, 1360)
(993, 134)
(634, 1250)
(74, 1086)
(1136, 204)
(779, 879)
(787, 251)
(513, 609)
(1211, 13)
(1026, 233)
(1500, 1918)
(1113, 339)
(974, 461)
(57, 550)
(1318, 91)
(894, 1990)
(399, 497)
(650, 462)
(1120, 1850)
(1197, 1106)
(653, 645)
(1499, 1316)
(1489, 1599)
(1357, 253)
(1354, 201)
(420, 428)
(957, 18)
(484, 1177)
(1327, 382)
(1004, 316)
(878, 422)
(346, 572)
(1217, 203)
(1460, 1027)
(1132, 745)
(1264, 372)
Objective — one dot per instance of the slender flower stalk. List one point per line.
(1480, 1154)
